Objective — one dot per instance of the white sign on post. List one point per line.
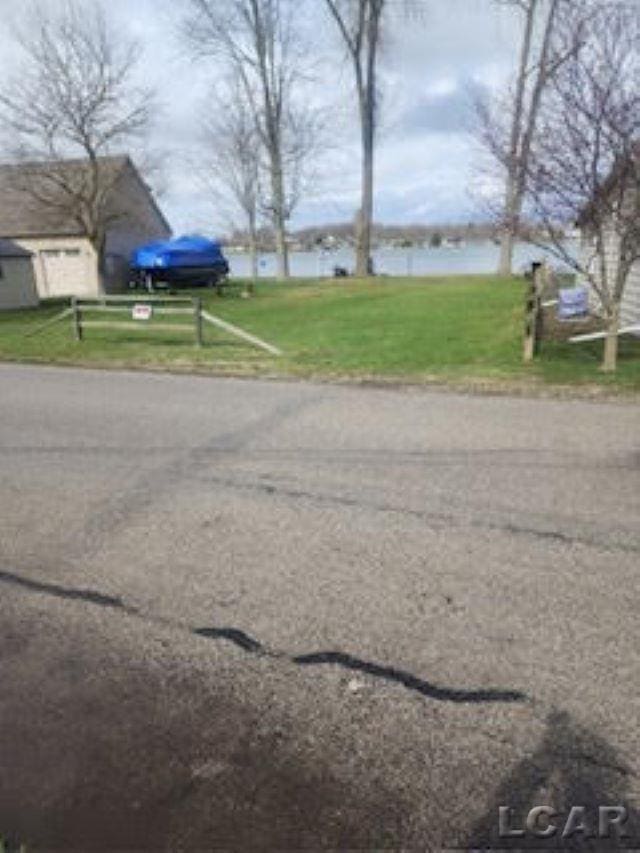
(142, 312)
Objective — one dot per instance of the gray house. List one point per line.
(17, 282)
(39, 218)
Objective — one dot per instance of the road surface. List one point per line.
(251, 614)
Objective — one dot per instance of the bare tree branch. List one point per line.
(232, 158)
(260, 42)
(509, 143)
(73, 97)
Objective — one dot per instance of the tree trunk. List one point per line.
(253, 245)
(253, 257)
(365, 218)
(279, 223)
(522, 136)
(610, 357)
(507, 244)
(513, 203)
(282, 249)
(367, 94)
(511, 224)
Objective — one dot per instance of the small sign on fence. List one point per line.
(141, 312)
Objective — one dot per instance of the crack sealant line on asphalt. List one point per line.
(252, 646)
(433, 518)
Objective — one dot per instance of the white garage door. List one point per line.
(64, 272)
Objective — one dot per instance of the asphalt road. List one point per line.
(250, 614)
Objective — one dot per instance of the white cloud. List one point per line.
(441, 88)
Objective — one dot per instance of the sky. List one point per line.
(429, 168)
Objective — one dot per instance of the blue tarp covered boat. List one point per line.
(186, 260)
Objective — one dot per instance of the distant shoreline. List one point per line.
(467, 258)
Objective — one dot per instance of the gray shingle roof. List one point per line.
(21, 215)
(9, 249)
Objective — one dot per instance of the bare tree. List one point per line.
(232, 159)
(73, 97)
(360, 25)
(510, 142)
(585, 164)
(258, 38)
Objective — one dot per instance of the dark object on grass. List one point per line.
(340, 272)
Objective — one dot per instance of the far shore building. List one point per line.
(17, 282)
(64, 261)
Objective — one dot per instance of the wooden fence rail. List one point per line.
(240, 333)
(146, 308)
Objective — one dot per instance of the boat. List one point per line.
(188, 261)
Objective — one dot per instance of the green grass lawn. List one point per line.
(455, 329)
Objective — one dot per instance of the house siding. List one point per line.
(630, 308)
(630, 304)
(63, 266)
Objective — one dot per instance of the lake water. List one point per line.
(475, 257)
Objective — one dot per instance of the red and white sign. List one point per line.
(142, 312)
